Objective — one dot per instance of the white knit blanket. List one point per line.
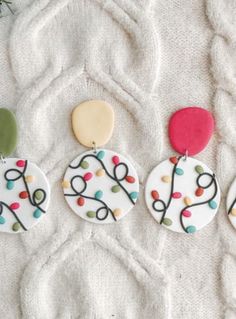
(147, 58)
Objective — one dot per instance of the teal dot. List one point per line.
(100, 155)
(179, 171)
(37, 213)
(213, 204)
(2, 220)
(98, 194)
(10, 185)
(134, 195)
(191, 229)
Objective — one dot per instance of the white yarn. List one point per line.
(147, 59)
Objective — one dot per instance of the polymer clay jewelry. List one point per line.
(231, 203)
(182, 193)
(24, 189)
(100, 185)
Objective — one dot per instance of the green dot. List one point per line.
(37, 213)
(213, 204)
(134, 195)
(84, 164)
(98, 194)
(100, 155)
(10, 185)
(16, 227)
(191, 229)
(2, 220)
(179, 171)
(91, 214)
(115, 189)
(167, 221)
(38, 195)
(199, 169)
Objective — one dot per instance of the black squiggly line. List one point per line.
(213, 181)
(112, 177)
(76, 193)
(13, 213)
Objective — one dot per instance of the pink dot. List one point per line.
(115, 160)
(20, 163)
(177, 195)
(186, 213)
(14, 206)
(88, 176)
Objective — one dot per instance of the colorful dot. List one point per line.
(199, 191)
(65, 184)
(16, 227)
(179, 171)
(134, 195)
(155, 195)
(212, 204)
(98, 194)
(2, 220)
(199, 169)
(166, 179)
(37, 213)
(115, 160)
(80, 201)
(38, 195)
(15, 205)
(23, 195)
(91, 214)
(186, 213)
(30, 179)
(130, 179)
(20, 163)
(167, 221)
(100, 155)
(84, 164)
(191, 229)
(115, 189)
(117, 212)
(176, 195)
(100, 172)
(187, 201)
(10, 185)
(174, 160)
(88, 176)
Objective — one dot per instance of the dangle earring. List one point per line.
(182, 193)
(25, 190)
(99, 185)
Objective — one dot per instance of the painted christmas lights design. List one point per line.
(182, 193)
(101, 187)
(24, 195)
(231, 204)
(24, 189)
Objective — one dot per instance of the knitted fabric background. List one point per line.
(147, 58)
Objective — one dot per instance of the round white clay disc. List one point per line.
(231, 204)
(25, 195)
(101, 187)
(182, 194)
(93, 122)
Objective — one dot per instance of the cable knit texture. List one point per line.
(146, 58)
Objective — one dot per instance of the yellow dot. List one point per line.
(187, 201)
(29, 178)
(233, 211)
(65, 184)
(117, 212)
(166, 179)
(100, 172)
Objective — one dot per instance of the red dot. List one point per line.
(14, 206)
(130, 179)
(115, 160)
(88, 176)
(23, 195)
(155, 195)
(174, 160)
(80, 201)
(176, 195)
(20, 163)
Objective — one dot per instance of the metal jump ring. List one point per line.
(186, 155)
(94, 147)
